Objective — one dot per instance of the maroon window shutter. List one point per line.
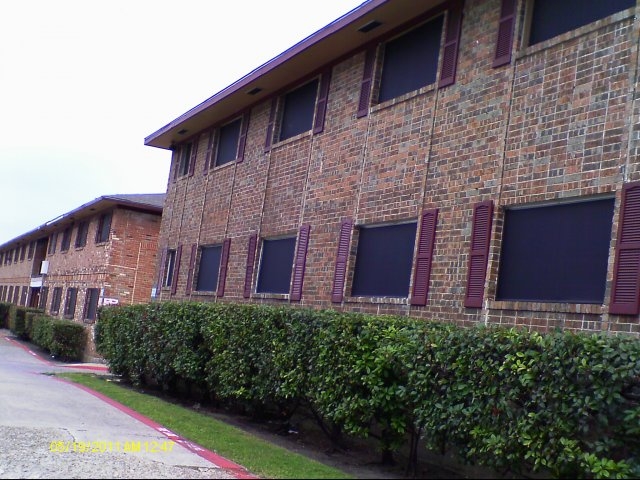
(248, 276)
(424, 255)
(340, 273)
(176, 269)
(208, 159)
(163, 259)
(194, 154)
(321, 105)
(365, 86)
(224, 261)
(452, 38)
(192, 263)
(626, 270)
(272, 120)
(505, 33)
(242, 141)
(299, 263)
(479, 253)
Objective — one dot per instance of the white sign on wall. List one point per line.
(108, 301)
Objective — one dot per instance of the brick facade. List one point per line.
(554, 125)
(121, 268)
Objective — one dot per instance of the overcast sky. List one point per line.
(83, 82)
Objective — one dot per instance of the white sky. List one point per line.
(83, 82)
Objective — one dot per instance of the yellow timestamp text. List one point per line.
(103, 446)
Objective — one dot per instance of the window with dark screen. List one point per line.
(550, 18)
(66, 239)
(275, 265)
(228, 137)
(91, 303)
(298, 109)
(70, 303)
(411, 61)
(209, 268)
(169, 267)
(556, 253)
(104, 228)
(383, 260)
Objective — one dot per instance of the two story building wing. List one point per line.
(471, 161)
(101, 253)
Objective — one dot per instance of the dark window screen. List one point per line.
(383, 261)
(70, 302)
(81, 234)
(228, 143)
(411, 61)
(275, 266)
(66, 239)
(554, 17)
(209, 268)
(297, 114)
(171, 261)
(104, 228)
(55, 302)
(91, 303)
(185, 158)
(557, 253)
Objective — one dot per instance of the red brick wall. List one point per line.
(554, 124)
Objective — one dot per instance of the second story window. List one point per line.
(104, 228)
(410, 61)
(66, 239)
(53, 240)
(81, 234)
(298, 109)
(227, 144)
(550, 18)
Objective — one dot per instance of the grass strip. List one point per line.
(258, 456)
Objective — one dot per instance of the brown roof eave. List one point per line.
(160, 138)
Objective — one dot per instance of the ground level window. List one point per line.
(169, 266)
(91, 303)
(56, 300)
(275, 265)
(556, 253)
(70, 303)
(209, 268)
(383, 260)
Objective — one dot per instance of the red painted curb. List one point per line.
(236, 470)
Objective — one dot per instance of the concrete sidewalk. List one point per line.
(53, 428)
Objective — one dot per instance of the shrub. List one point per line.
(68, 339)
(561, 404)
(64, 339)
(4, 314)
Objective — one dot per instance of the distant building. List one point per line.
(469, 161)
(101, 253)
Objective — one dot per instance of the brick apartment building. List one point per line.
(471, 161)
(101, 253)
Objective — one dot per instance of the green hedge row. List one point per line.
(563, 404)
(63, 339)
